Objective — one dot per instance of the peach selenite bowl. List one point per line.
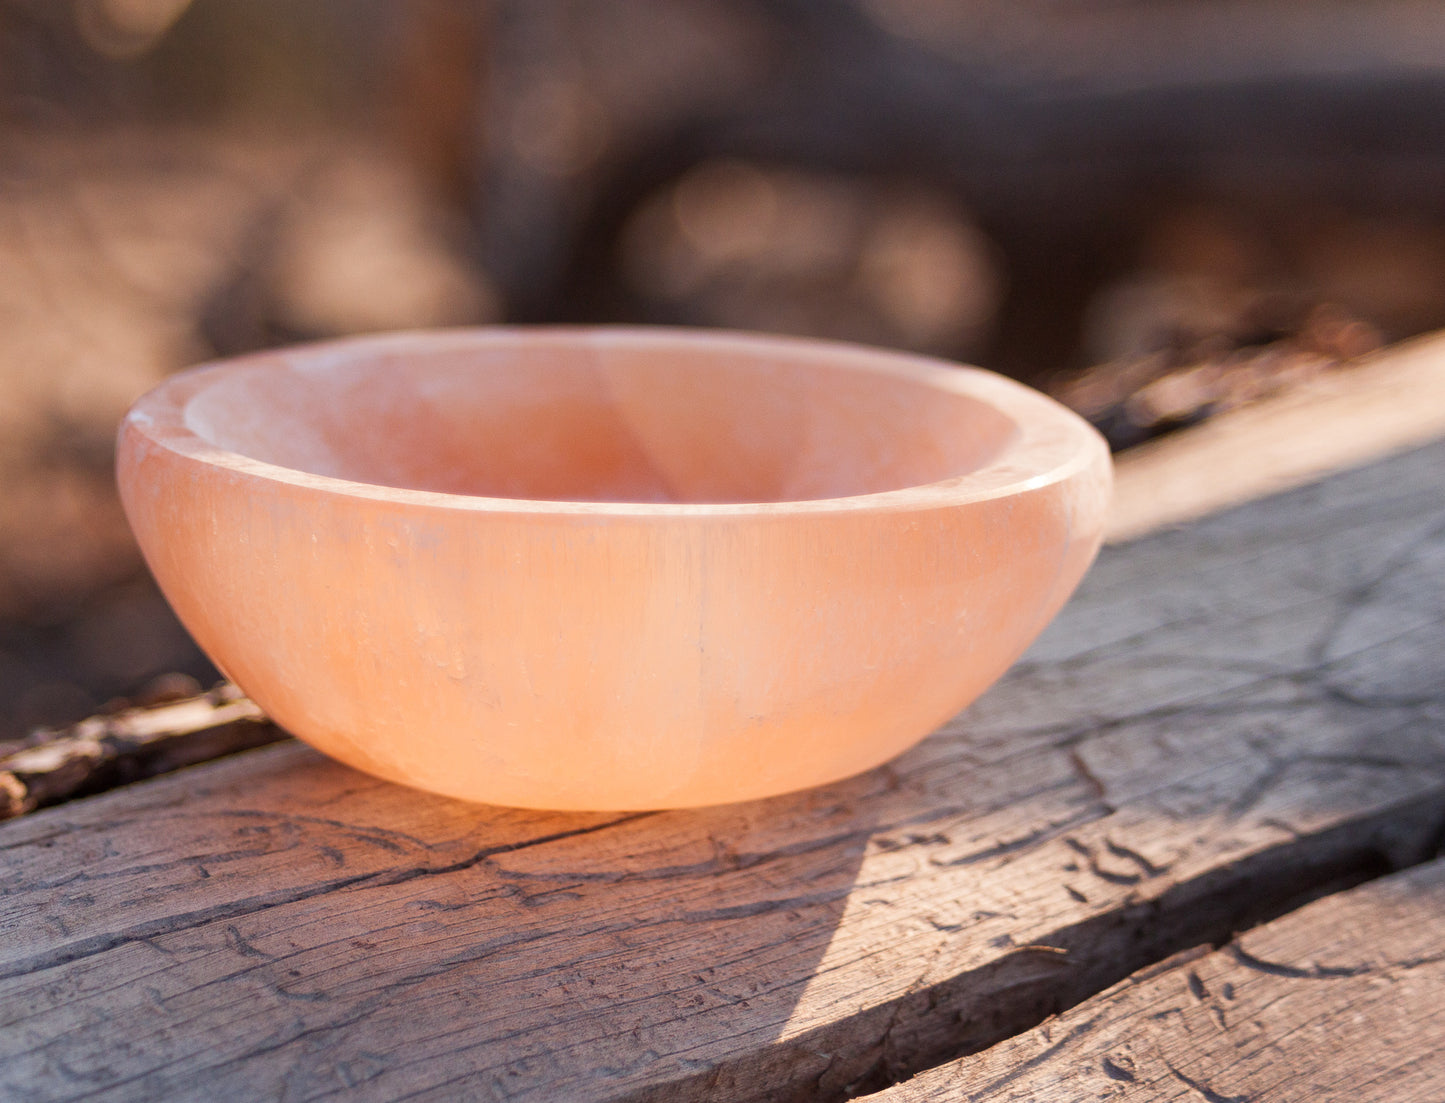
(610, 569)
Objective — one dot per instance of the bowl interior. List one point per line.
(571, 419)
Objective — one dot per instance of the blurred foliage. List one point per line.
(100, 62)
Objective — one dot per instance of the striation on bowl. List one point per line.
(610, 568)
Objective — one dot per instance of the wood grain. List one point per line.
(1229, 719)
(1339, 1000)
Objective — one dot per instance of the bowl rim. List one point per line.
(1050, 443)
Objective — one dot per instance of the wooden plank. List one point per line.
(1339, 1000)
(1227, 719)
(1386, 403)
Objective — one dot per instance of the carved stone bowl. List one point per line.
(611, 568)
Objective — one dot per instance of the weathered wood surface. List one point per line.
(1339, 1000)
(1228, 719)
(116, 749)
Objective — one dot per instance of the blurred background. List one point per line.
(1154, 209)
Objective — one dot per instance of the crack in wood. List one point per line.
(99, 944)
(1081, 768)
(1113, 877)
(1326, 972)
(169, 924)
(761, 907)
(1116, 1071)
(1138, 942)
(1025, 1067)
(1357, 597)
(732, 861)
(1120, 851)
(1031, 841)
(1204, 1091)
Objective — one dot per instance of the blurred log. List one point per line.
(438, 92)
(1061, 128)
(1386, 403)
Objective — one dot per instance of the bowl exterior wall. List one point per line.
(591, 661)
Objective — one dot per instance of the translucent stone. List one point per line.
(610, 569)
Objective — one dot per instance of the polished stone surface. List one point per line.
(610, 569)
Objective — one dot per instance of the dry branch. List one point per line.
(105, 751)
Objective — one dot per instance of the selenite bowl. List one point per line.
(610, 568)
